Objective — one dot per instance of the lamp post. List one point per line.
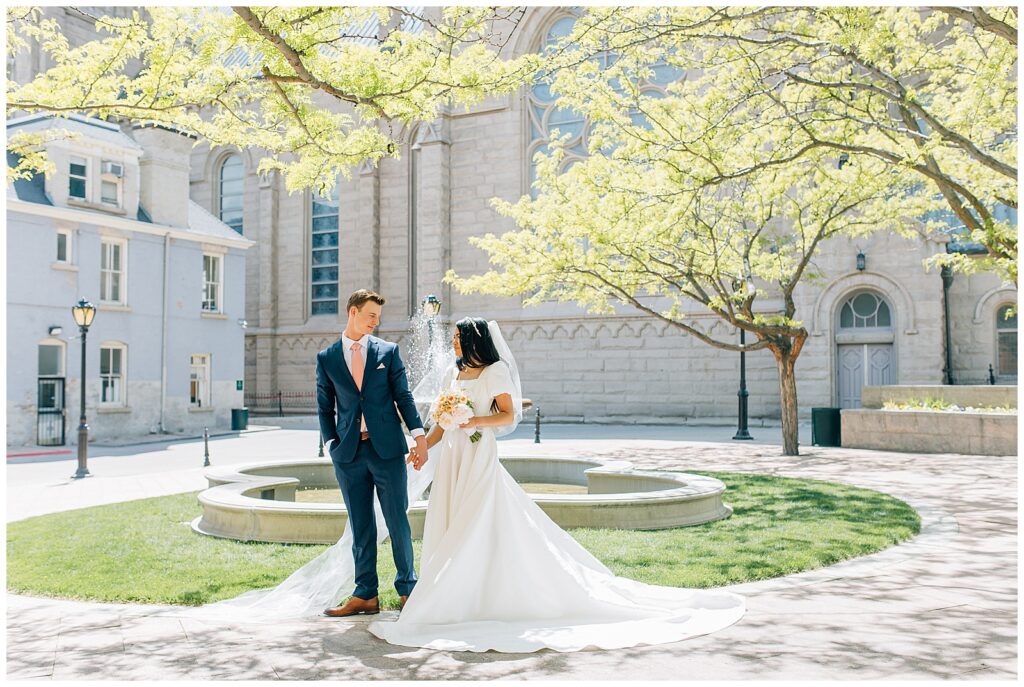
(431, 308)
(947, 283)
(83, 313)
(431, 305)
(741, 431)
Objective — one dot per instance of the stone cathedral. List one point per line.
(398, 227)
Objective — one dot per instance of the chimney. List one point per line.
(164, 174)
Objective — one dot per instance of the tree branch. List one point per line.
(976, 16)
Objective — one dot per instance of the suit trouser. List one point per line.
(357, 480)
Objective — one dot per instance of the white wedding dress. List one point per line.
(496, 573)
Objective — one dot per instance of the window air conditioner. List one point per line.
(114, 168)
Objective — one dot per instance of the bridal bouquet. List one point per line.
(451, 409)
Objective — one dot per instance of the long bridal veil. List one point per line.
(330, 577)
(505, 353)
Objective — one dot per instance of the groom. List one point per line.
(364, 379)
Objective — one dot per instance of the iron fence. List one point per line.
(282, 403)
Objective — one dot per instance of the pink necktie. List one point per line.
(357, 375)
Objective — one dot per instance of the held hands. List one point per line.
(418, 454)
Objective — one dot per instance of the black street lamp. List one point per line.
(83, 313)
(431, 308)
(741, 432)
(431, 305)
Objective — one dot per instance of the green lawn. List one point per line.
(144, 551)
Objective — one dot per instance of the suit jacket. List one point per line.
(384, 395)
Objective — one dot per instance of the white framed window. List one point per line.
(113, 359)
(199, 380)
(324, 268)
(64, 246)
(110, 192)
(213, 283)
(51, 358)
(231, 192)
(113, 270)
(1006, 345)
(78, 178)
(111, 174)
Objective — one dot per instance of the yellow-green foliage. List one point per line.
(213, 72)
(735, 174)
(930, 403)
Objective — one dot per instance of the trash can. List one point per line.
(826, 427)
(239, 418)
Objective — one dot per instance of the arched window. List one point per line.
(546, 115)
(1006, 343)
(231, 192)
(324, 268)
(865, 310)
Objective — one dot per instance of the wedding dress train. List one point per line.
(496, 573)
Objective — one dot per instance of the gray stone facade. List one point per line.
(403, 224)
(406, 222)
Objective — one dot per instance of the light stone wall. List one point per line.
(574, 365)
(978, 434)
(976, 299)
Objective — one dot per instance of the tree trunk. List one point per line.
(786, 360)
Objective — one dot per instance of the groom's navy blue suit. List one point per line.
(375, 463)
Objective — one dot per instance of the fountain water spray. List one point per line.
(428, 355)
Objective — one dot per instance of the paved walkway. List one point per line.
(943, 605)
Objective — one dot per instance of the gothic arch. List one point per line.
(624, 327)
(648, 329)
(603, 331)
(556, 330)
(532, 28)
(215, 157)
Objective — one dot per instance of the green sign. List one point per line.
(238, 385)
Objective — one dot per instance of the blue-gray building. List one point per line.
(113, 223)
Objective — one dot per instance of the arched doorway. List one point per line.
(865, 336)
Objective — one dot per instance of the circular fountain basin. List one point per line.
(257, 502)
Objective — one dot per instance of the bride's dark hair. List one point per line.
(477, 345)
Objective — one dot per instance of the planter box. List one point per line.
(962, 395)
(926, 431)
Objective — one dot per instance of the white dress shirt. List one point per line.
(346, 347)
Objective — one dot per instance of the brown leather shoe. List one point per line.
(355, 606)
(401, 602)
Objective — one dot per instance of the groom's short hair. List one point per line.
(359, 299)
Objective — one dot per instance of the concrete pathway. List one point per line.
(943, 605)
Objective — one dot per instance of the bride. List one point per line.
(496, 573)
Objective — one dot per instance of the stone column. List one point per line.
(263, 275)
(359, 252)
(433, 211)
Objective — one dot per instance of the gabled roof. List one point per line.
(88, 127)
